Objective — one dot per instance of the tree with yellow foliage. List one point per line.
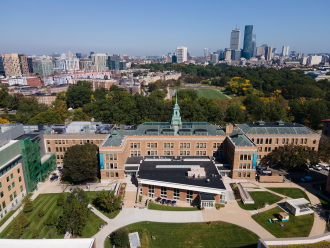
(4, 121)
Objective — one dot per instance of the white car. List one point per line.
(309, 167)
(317, 167)
(324, 166)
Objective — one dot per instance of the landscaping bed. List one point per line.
(260, 198)
(217, 234)
(294, 193)
(155, 206)
(235, 189)
(297, 226)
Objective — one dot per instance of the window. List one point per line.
(55, 141)
(67, 142)
(112, 174)
(189, 196)
(184, 145)
(11, 175)
(151, 191)
(9, 187)
(3, 204)
(8, 179)
(48, 142)
(97, 142)
(56, 149)
(176, 194)
(239, 174)
(59, 142)
(58, 156)
(200, 145)
(259, 149)
(270, 141)
(63, 142)
(152, 153)
(292, 141)
(305, 142)
(107, 174)
(258, 141)
(1, 194)
(15, 194)
(244, 174)
(116, 174)
(276, 142)
(296, 142)
(168, 153)
(301, 141)
(216, 145)
(313, 148)
(200, 153)
(135, 153)
(49, 150)
(261, 141)
(111, 166)
(265, 149)
(13, 184)
(11, 197)
(283, 141)
(184, 153)
(20, 179)
(248, 174)
(61, 156)
(252, 139)
(60, 149)
(18, 170)
(80, 142)
(259, 156)
(163, 192)
(73, 142)
(0, 185)
(168, 145)
(135, 145)
(314, 141)
(151, 145)
(266, 141)
(244, 166)
(245, 157)
(110, 156)
(269, 149)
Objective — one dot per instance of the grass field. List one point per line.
(209, 93)
(218, 234)
(260, 198)
(155, 206)
(297, 226)
(294, 193)
(48, 202)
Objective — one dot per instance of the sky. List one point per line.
(142, 28)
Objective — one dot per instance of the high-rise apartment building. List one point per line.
(205, 52)
(214, 58)
(260, 51)
(181, 53)
(268, 54)
(100, 61)
(285, 50)
(11, 64)
(247, 46)
(174, 59)
(25, 65)
(235, 54)
(314, 60)
(67, 64)
(235, 39)
(254, 45)
(2, 69)
(227, 54)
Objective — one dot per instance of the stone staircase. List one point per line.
(246, 197)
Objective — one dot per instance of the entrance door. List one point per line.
(189, 196)
(151, 191)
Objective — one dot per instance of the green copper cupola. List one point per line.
(176, 118)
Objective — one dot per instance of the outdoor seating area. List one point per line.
(165, 201)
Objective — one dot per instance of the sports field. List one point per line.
(209, 93)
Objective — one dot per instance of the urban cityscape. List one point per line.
(195, 130)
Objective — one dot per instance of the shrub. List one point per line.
(60, 200)
(16, 229)
(41, 213)
(23, 220)
(120, 237)
(28, 206)
(51, 220)
(35, 233)
(140, 198)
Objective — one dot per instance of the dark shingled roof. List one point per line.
(207, 197)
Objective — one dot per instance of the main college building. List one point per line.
(187, 161)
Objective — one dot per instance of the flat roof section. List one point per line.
(25, 136)
(206, 197)
(149, 171)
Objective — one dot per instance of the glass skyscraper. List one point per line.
(235, 39)
(247, 46)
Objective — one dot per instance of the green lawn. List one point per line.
(324, 202)
(155, 206)
(218, 234)
(299, 226)
(260, 198)
(294, 193)
(48, 202)
(209, 93)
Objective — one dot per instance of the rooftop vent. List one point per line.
(261, 123)
(196, 172)
(280, 122)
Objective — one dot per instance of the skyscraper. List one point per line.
(268, 54)
(254, 46)
(205, 52)
(235, 39)
(247, 46)
(285, 50)
(11, 64)
(181, 53)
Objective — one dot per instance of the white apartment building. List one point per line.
(181, 53)
(285, 50)
(227, 54)
(68, 64)
(99, 60)
(314, 60)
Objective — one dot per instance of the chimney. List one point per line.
(229, 128)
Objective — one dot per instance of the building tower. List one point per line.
(254, 46)
(285, 50)
(205, 52)
(268, 53)
(181, 53)
(247, 46)
(176, 118)
(235, 39)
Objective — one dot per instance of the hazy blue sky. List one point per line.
(158, 27)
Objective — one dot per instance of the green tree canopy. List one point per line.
(107, 201)
(79, 94)
(235, 114)
(50, 116)
(158, 94)
(81, 163)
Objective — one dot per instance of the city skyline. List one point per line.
(142, 32)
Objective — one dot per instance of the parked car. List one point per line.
(309, 167)
(317, 167)
(306, 179)
(324, 166)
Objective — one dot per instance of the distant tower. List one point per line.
(176, 118)
(235, 39)
(254, 45)
(205, 52)
(247, 46)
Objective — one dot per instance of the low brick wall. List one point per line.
(270, 179)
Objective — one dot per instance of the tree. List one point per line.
(51, 220)
(4, 121)
(100, 93)
(60, 107)
(79, 94)
(41, 213)
(79, 115)
(34, 233)
(61, 95)
(324, 149)
(120, 237)
(158, 94)
(16, 229)
(75, 213)
(60, 200)
(23, 220)
(107, 201)
(235, 113)
(13, 100)
(28, 206)
(165, 91)
(81, 162)
(50, 116)
(4, 95)
(29, 107)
